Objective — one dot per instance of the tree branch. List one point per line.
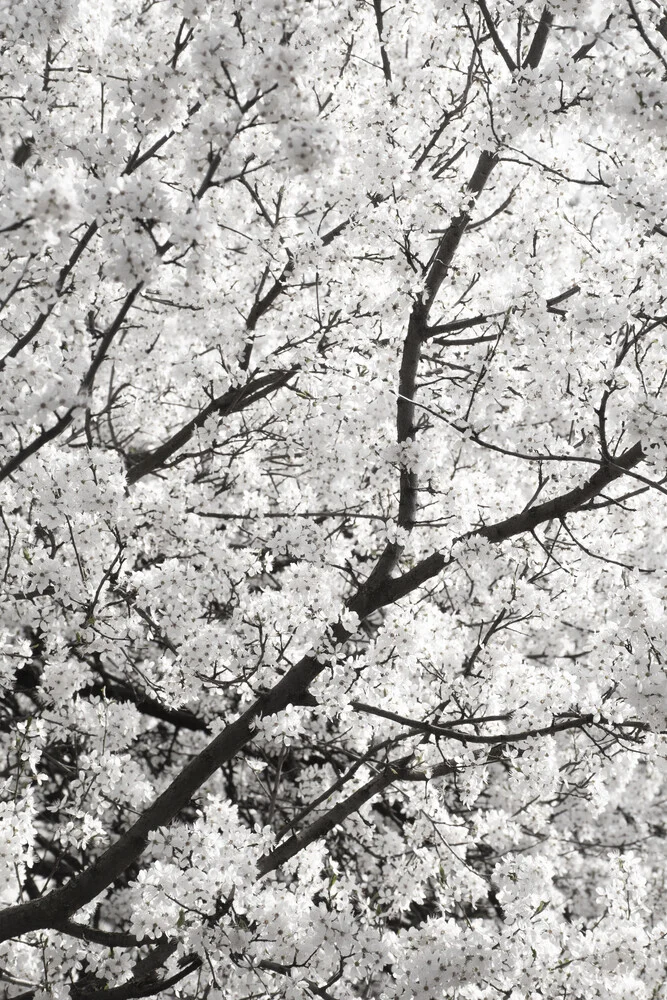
(334, 817)
(60, 291)
(399, 587)
(407, 381)
(232, 401)
(85, 387)
(51, 909)
(498, 739)
(386, 68)
(539, 41)
(497, 40)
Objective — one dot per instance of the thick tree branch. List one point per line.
(568, 502)
(379, 23)
(63, 274)
(51, 909)
(85, 387)
(451, 238)
(528, 520)
(232, 401)
(334, 817)
(121, 691)
(147, 987)
(111, 939)
(497, 40)
(536, 50)
(36, 444)
(263, 304)
(407, 380)
(556, 299)
(374, 750)
(642, 31)
(400, 771)
(105, 343)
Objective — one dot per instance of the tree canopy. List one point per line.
(332, 498)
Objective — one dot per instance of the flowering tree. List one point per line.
(333, 441)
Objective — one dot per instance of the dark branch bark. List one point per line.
(86, 386)
(539, 41)
(447, 732)
(584, 49)
(451, 238)
(396, 771)
(232, 401)
(137, 158)
(237, 399)
(399, 587)
(400, 771)
(138, 988)
(333, 233)
(100, 354)
(340, 782)
(30, 449)
(58, 905)
(568, 502)
(465, 324)
(465, 341)
(121, 692)
(111, 939)
(497, 40)
(379, 15)
(262, 305)
(407, 381)
(553, 302)
(60, 291)
(334, 817)
(642, 31)
(461, 324)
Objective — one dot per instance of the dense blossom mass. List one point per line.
(333, 467)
